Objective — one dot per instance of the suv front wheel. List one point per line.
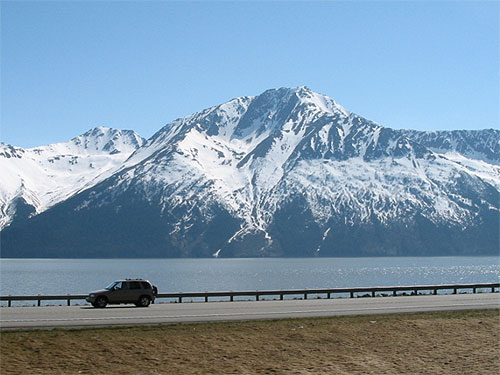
(144, 301)
(100, 302)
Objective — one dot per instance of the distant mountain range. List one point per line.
(287, 173)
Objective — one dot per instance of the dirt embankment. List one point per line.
(434, 343)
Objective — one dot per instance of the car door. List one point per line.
(115, 293)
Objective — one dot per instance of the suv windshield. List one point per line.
(110, 286)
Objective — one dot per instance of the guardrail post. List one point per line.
(180, 299)
(352, 294)
(305, 295)
(328, 295)
(39, 301)
(10, 303)
(69, 301)
(231, 298)
(435, 291)
(474, 290)
(256, 296)
(373, 293)
(281, 296)
(206, 297)
(492, 289)
(394, 293)
(454, 290)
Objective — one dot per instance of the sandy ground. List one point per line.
(433, 343)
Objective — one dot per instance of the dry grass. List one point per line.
(434, 343)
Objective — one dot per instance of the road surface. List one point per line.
(87, 316)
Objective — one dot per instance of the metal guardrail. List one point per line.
(353, 292)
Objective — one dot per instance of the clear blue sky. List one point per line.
(69, 66)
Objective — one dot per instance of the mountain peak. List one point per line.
(108, 140)
(306, 96)
(250, 117)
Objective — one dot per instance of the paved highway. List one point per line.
(86, 316)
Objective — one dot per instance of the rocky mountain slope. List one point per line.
(287, 173)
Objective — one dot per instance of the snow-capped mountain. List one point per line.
(35, 179)
(287, 173)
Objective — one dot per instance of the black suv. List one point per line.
(138, 291)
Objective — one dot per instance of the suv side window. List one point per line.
(135, 285)
(125, 285)
(145, 285)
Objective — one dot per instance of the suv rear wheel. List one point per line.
(144, 301)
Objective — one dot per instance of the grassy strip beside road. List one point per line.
(425, 343)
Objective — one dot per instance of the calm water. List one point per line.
(79, 276)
